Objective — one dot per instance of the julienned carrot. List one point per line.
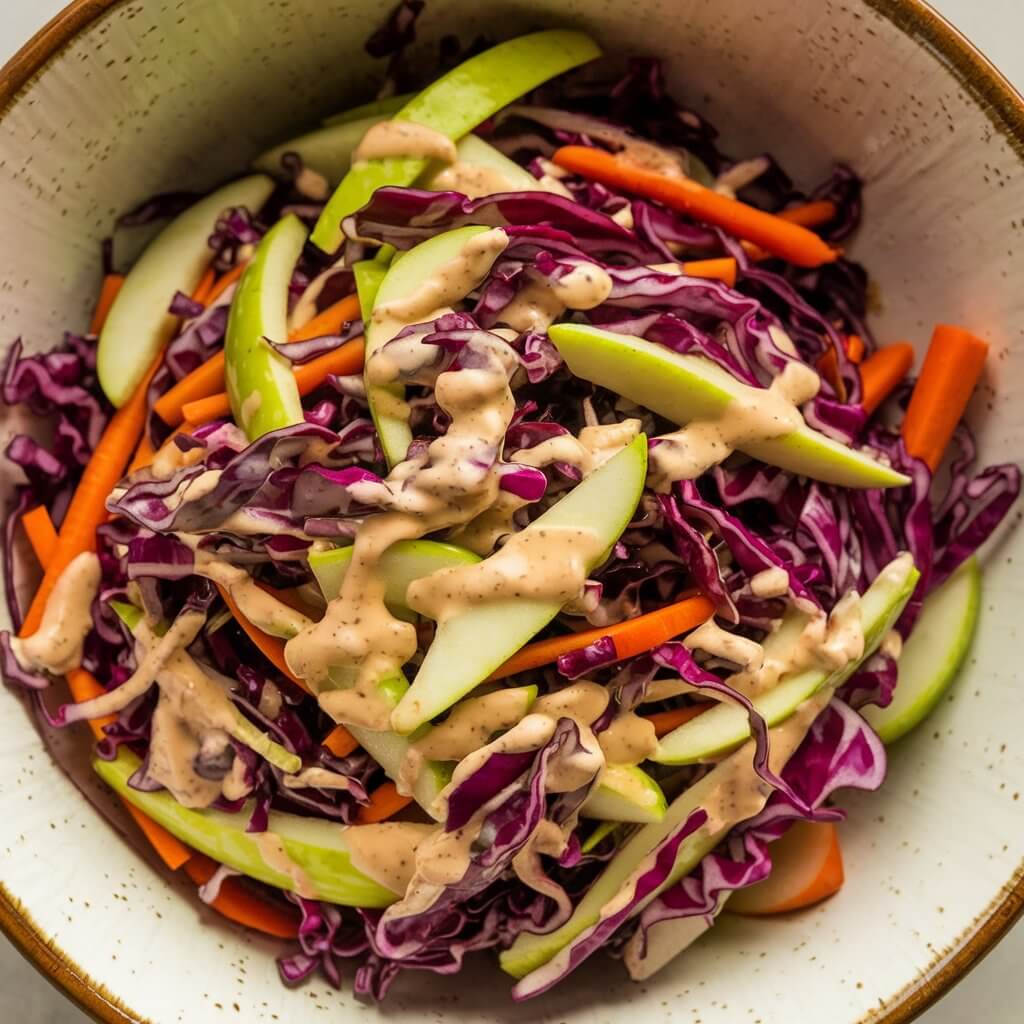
(224, 282)
(344, 360)
(774, 234)
(331, 321)
(882, 371)
(723, 269)
(665, 722)
(340, 742)
(952, 368)
(171, 850)
(201, 293)
(809, 215)
(385, 802)
(143, 456)
(239, 904)
(855, 347)
(88, 510)
(108, 292)
(634, 636)
(207, 381)
(41, 533)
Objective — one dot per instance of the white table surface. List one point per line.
(992, 993)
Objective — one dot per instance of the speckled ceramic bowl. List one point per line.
(117, 100)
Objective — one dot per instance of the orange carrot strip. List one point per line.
(206, 282)
(346, 359)
(205, 380)
(665, 722)
(143, 456)
(340, 742)
(331, 321)
(828, 366)
(882, 371)
(41, 533)
(88, 506)
(634, 636)
(108, 292)
(241, 905)
(855, 347)
(717, 270)
(385, 802)
(807, 867)
(774, 234)
(171, 850)
(225, 282)
(948, 377)
(809, 215)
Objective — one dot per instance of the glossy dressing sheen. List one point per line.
(404, 139)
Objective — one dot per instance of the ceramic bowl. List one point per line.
(117, 100)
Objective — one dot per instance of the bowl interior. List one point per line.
(164, 96)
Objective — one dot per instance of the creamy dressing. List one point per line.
(404, 140)
(56, 646)
(472, 180)
(720, 643)
(387, 852)
(756, 414)
(541, 301)
(273, 853)
(170, 458)
(770, 583)
(471, 724)
(629, 740)
(892, 644)
(593, 448)
(317, 778)
(548, 839)
(305, 309)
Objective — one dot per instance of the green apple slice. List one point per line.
(369, 275)
(684, 387)
(474, 152)
(933, 655)
(261, 384)
(375, 108)
(316, 847)
(726, 725)
(403, 278)
(454, 105)
(625, 793)
(138, 323)
(468, 647)
(402, 563)
(325, 150)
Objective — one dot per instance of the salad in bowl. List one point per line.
(491, 524)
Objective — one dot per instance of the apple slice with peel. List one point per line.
(472, 151)
(625, 793)
(726, 725)
(470, 646)
(316, 847)
(685, 387)
(933, 655)
(454, 105)
(807, 867)
(375, 108)
(405, 276)
(138, 323)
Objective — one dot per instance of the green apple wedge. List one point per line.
(260, 381)
(933, 655)
(726, 725)
(138, 323)
(625, 793)
(454, 105)
(404, 277)
(317, 847)
(369, 275)
(685, 387)
(469, 646)
(327, 151)
(472, 151)
(375, 108)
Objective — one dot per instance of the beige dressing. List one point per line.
(170, 458)
(540, 302)
(305, 309)
(548, 839)
(629, 740)
(770, 583)
(471, 724)
(720, 643)
(56, 646)
(472, 180)
(273, 853)
(404, 140)
(387, 852)
(756, 414)
(892, 644)
(318, 778)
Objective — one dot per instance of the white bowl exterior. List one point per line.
(159, 96)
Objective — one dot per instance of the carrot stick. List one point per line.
(882, 371)
(205, 380)
(41, 533)
(108, 292)
(385, 802)
(340, 742)
(225, 282)
(855, 347)
(143, 456)
(948, 377)
(665, 722)
(205, 286)
(171, 850)
(331, 321)
(809, 215)
(88, 506)
(717, 270)
(241, 905)
(774, 234)
(346, 359)
(634, 636)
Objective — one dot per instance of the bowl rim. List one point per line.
(1001, 103)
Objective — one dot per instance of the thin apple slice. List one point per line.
(726, 725)
(375, 108)
(933, 655)
(472, 151)
(328, 151)
(683, 388)
(318, 848)
(625, 793)
(138, 323)
(469, 647)
(807, 867)
(454, 105)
